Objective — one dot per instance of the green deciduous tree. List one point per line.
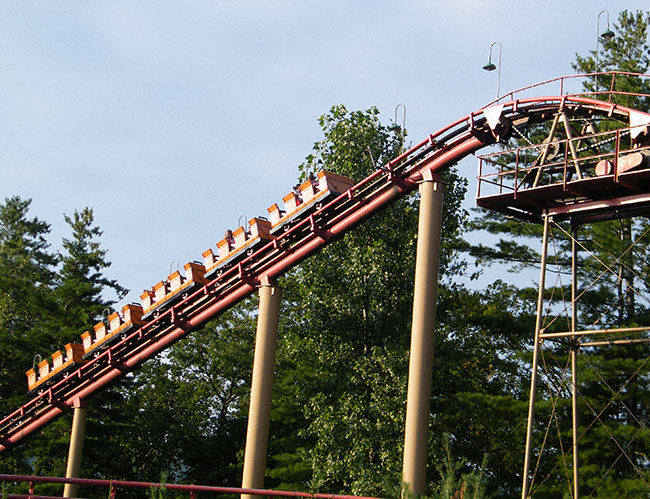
(183, 413)
(345, 336)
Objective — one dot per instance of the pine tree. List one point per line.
(51, 306)
(82, 288)
(27, 278)
(627, 51)
(607, 299)
(81, 298)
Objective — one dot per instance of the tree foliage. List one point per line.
(627, 51)
(27, 278)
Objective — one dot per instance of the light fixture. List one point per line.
(490, 66)
(606, 35)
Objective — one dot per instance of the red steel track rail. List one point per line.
(332, 221)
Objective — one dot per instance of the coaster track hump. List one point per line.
(424, 161)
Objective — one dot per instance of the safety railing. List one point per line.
(575, 85)
(110, 488)
(514, 170)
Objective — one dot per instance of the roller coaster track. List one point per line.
(332, 221)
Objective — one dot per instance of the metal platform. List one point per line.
(584, 177)
(585, 200)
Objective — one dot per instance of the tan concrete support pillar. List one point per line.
(425, 297)
(259, 412)
(76, 447)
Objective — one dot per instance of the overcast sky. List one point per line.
(173, 119)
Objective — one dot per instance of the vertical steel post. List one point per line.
(574, 359)
(77, 435)
(533, 376)
(259, 413)
(425, 296)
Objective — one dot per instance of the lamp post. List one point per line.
(491, 67)
(608, 34)
(396, 127)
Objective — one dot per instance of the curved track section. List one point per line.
(439, 151)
